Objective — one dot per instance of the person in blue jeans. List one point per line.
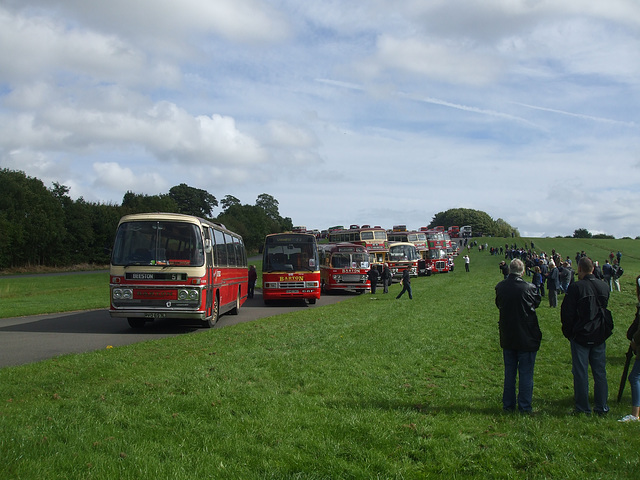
(520, 336)
(582, 305)
(633, 334)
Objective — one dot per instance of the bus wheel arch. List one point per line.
(236, 309)
(215, 313)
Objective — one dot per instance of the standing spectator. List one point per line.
(504, 268)
(466, 263)
(607, 274)
(597, 271)
(583, 306)
(544, 271)
(537, 278)
(565, 275)
(520, 336)
(552, 284)
(252, 276)
(406, 284)
(618, 257)
(633, 334)
(615, 276)
(373, 278)
(386, 278)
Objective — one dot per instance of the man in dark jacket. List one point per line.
(373, 278)
(582, 308)
(386, 278)
(520, 336)
(406, 283)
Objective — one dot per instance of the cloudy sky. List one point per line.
(345, 111)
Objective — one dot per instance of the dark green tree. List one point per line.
(229, 201)
(33, 223)
(249, 221)
(193, 201)
(582, 233)
(480, 222)
(269, 204)
(141, 203)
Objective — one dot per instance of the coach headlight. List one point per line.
(187, 294)
(122, 294)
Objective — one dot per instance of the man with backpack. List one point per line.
(583, 315)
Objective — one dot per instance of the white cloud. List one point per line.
(442, 62)
(42, 47)
(113, 176)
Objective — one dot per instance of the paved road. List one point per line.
(30, 339)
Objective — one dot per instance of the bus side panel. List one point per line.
(231, 283)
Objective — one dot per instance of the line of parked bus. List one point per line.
(174, 266)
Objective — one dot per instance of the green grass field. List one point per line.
(371, 387)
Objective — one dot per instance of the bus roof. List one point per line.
(168, 216)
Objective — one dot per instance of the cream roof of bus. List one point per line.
(172, 217)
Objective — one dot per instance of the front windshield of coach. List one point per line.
(158, 243)
(290, 256)
(350, 260)
(403, 253)
(373, 235)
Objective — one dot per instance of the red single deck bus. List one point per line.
(290, 267)
(344, 266)
(374, 239)
(167, 265)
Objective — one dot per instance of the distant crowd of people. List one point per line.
(557, 273)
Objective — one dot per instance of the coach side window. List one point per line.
(231, 251)
(220, 249)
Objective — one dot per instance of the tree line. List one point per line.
(41, 226)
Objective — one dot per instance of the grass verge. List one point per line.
(371, 387)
